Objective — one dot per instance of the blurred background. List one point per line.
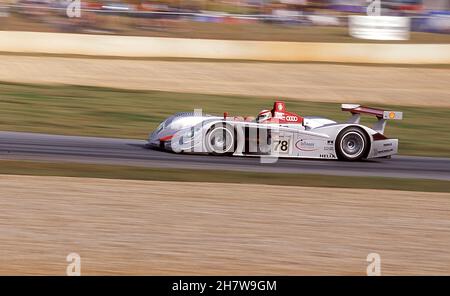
(287, 20)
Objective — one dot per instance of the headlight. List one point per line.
(160, 127)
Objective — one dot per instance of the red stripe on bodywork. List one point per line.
(378, 137)
(166, 138)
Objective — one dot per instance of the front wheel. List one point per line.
(352, 144)
(220, 140)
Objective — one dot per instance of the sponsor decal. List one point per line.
(279, 115)
(330, 142)
(383, 151)
(327, 155)
(291, 118)
(282, 146)
(305, 145)
(287, 117)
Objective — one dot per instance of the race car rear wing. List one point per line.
(382, 115)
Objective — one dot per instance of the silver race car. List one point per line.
(278, 132)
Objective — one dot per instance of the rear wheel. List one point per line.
(352, 144)
(220, 140)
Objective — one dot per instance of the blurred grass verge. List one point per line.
(107, 112)
(139, 173)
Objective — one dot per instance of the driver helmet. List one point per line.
(264, 115)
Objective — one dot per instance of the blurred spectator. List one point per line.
(153, 16)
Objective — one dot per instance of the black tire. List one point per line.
(220, 139)
(352, 144)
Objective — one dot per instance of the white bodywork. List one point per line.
(315, 138)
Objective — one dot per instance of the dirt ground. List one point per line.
(316, 82)
(149, 227)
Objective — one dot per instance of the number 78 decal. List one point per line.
(282, 146)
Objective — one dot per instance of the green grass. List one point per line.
(92, 111)
(138, 173)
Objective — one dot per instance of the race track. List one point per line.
(56, 148)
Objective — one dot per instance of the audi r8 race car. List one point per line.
(278, 132)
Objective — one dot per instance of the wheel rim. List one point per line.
(352, 144)
(220, 140)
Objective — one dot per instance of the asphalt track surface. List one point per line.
(92, 150)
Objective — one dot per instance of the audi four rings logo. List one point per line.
(291, 118)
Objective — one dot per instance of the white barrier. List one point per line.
(379, 27)
(157, 47)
